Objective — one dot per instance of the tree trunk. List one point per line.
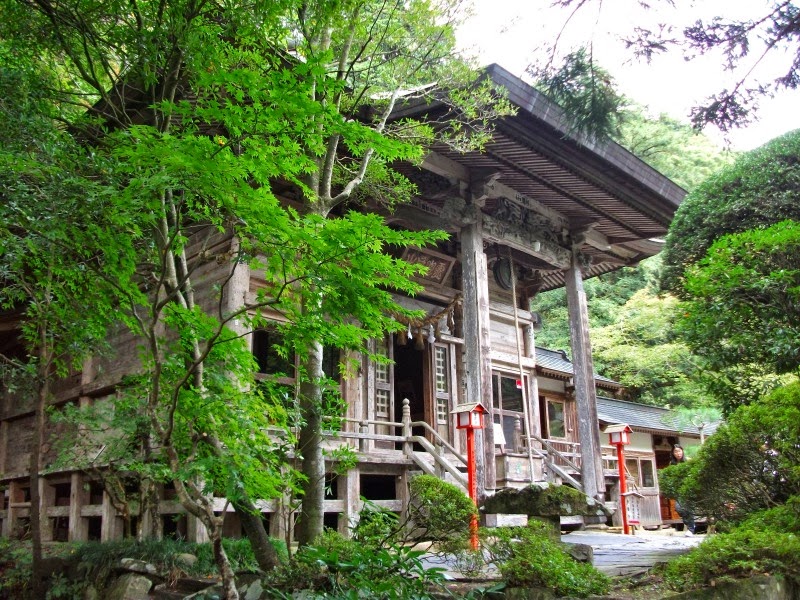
(37, 583)
(223, 564)
(148, 510)
(312, 510)
(265, 553)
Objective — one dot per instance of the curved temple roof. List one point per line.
(608, 202)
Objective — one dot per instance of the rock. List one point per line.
(137, 566)
(249, 586)
(504, 520)
(182, 588)
(516, 593)
(129, 587)
(762, 587)
(212, 593)
(580, 552)
(185, 559)
(164, 592)
(543, 501)
(90, 593)
(253, 591)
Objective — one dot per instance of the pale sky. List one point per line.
(508, 32)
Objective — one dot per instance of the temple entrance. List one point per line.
(409, 380)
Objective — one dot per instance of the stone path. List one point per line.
(614, 553)
(617, 554)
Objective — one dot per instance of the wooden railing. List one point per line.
(443, 454)
(561, 456)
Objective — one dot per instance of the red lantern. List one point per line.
(620, 435)
(470, 418)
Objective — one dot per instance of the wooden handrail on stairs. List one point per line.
(435, 448)
(556, 468)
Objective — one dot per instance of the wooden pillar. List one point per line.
(47, 495)
(78, 529)
(234, 294)
(403, 492)
(585, 394)
(195, 530)
(5, 498)
(535, 413)
(3, 445)
(109, 529)
(350, 493)
(16, 506)
(281, 521)
(477, 365)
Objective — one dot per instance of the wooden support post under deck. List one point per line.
(585, 394)
(109, 530)
(477, 365)
(195, 530)
(350, 493)
(47, 497)
(78, 530)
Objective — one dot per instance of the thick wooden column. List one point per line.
(477, 365)
(234, 293)
(585, 394)
(78, 529)
(350, 494)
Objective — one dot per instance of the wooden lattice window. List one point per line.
(442, 388)
(384, 401)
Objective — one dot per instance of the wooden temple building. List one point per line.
(539, 208)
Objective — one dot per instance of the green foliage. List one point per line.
(527, 557)
(749, 464)
(585, 91)
(748, 550)
(15, 568)
(440, 510)
(239, 552)
(675, 149)
(758, 190)
(377, 526)
(60, 587)
(632, 338)
(742, 300)
(785, 518)
(605, 295)
(336, 567)
(641, 352)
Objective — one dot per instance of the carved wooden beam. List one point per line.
(530, 242)
(496, 189)
(598, 241)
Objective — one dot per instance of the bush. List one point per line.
(439, 511)
(748, 465)
(784, 518)
(766, 542)
(337, 567)
(743, 552)
(15, 568)
(377, 526)
(527, 557)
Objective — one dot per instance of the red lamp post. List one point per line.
(619, 436)
(470, 418)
